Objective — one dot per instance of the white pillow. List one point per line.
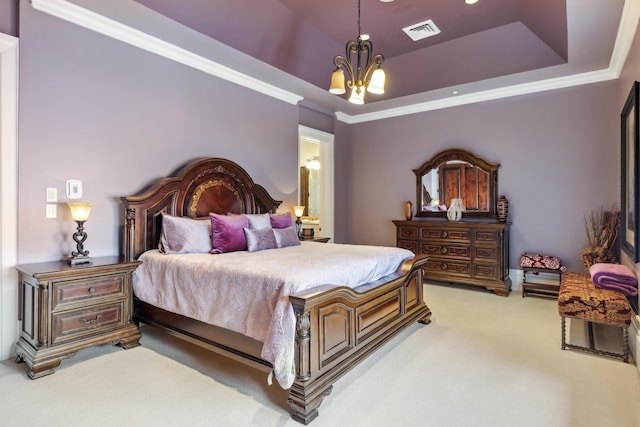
(259, 221)
(183, 235)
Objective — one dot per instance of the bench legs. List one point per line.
(624, 356)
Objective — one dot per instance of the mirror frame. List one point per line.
(466, 156)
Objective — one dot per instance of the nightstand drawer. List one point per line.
(71, 291)
(73, 324)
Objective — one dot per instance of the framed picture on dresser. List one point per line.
(630, 233)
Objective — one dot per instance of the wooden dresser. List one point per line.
(67, 308)
(466, 252)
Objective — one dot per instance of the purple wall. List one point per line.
(559, 156)
(9, 17)
(116, 117)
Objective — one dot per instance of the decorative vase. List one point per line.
(454, 213)
(503, 208)
(408, 210)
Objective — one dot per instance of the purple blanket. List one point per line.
(616, 277)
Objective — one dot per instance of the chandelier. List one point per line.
(367, 75)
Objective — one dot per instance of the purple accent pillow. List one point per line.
(183, 235)
(227, 233)
(286, 237)
(281, 220)
(257, 221)
(260, 239)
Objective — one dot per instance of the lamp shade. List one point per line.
(337, 82)
(357, 95)
(80, 210)
(298, 211)
(377, 82)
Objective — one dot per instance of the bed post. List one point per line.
(304, 406)
(129, 234)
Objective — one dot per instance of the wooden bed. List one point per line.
(336, 327)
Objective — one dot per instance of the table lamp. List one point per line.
(79, 213)
(298, 212)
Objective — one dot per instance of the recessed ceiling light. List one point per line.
(455, 92)
(471, 1)
(389, 1)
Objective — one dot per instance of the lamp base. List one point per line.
(79, 260)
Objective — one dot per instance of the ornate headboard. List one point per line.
(203, 186)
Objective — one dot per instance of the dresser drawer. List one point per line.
(411, 245)
(483, 253)
(73, 324)
(446, 250)
(486, 236)
(485, 271)
(410, 233)
(446, 268)
(454, 234)
(72, 291)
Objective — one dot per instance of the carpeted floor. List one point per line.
(484, 360)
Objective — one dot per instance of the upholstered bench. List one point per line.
(578, 298)
(533, 265)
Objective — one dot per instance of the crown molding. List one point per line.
(486, 95)
(85, 18)
(624, 39)
(95, 22)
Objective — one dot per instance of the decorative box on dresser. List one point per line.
(466, 252)
(67, 308)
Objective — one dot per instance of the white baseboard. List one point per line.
(634, 339)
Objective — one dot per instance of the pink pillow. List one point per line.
(281, 220)
(227, 233)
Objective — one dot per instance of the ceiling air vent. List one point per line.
(421, 30)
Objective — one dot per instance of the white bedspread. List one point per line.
(248, 292)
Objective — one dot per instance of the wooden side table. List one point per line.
(67, 308)
(545, 290)
(317, 239)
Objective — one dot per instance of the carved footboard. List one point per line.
(339, 327)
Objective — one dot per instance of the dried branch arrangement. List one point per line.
(602, 232)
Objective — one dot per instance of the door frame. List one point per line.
(9, 323)
(325, 141)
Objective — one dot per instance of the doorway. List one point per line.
(315, 161)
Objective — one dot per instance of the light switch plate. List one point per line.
(74, 189)
(52, 210)
(52, 195)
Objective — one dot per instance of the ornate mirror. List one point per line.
(457, 174)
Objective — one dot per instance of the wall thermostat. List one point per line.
(74, 189)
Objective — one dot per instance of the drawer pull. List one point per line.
(444, 266)
(92, 290)
(445, 234)
(444, 250)
(88, 322)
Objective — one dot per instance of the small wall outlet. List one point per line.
(52, 210)
(52, 195)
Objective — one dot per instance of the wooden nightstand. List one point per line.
(317, 239)
(65, 309)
